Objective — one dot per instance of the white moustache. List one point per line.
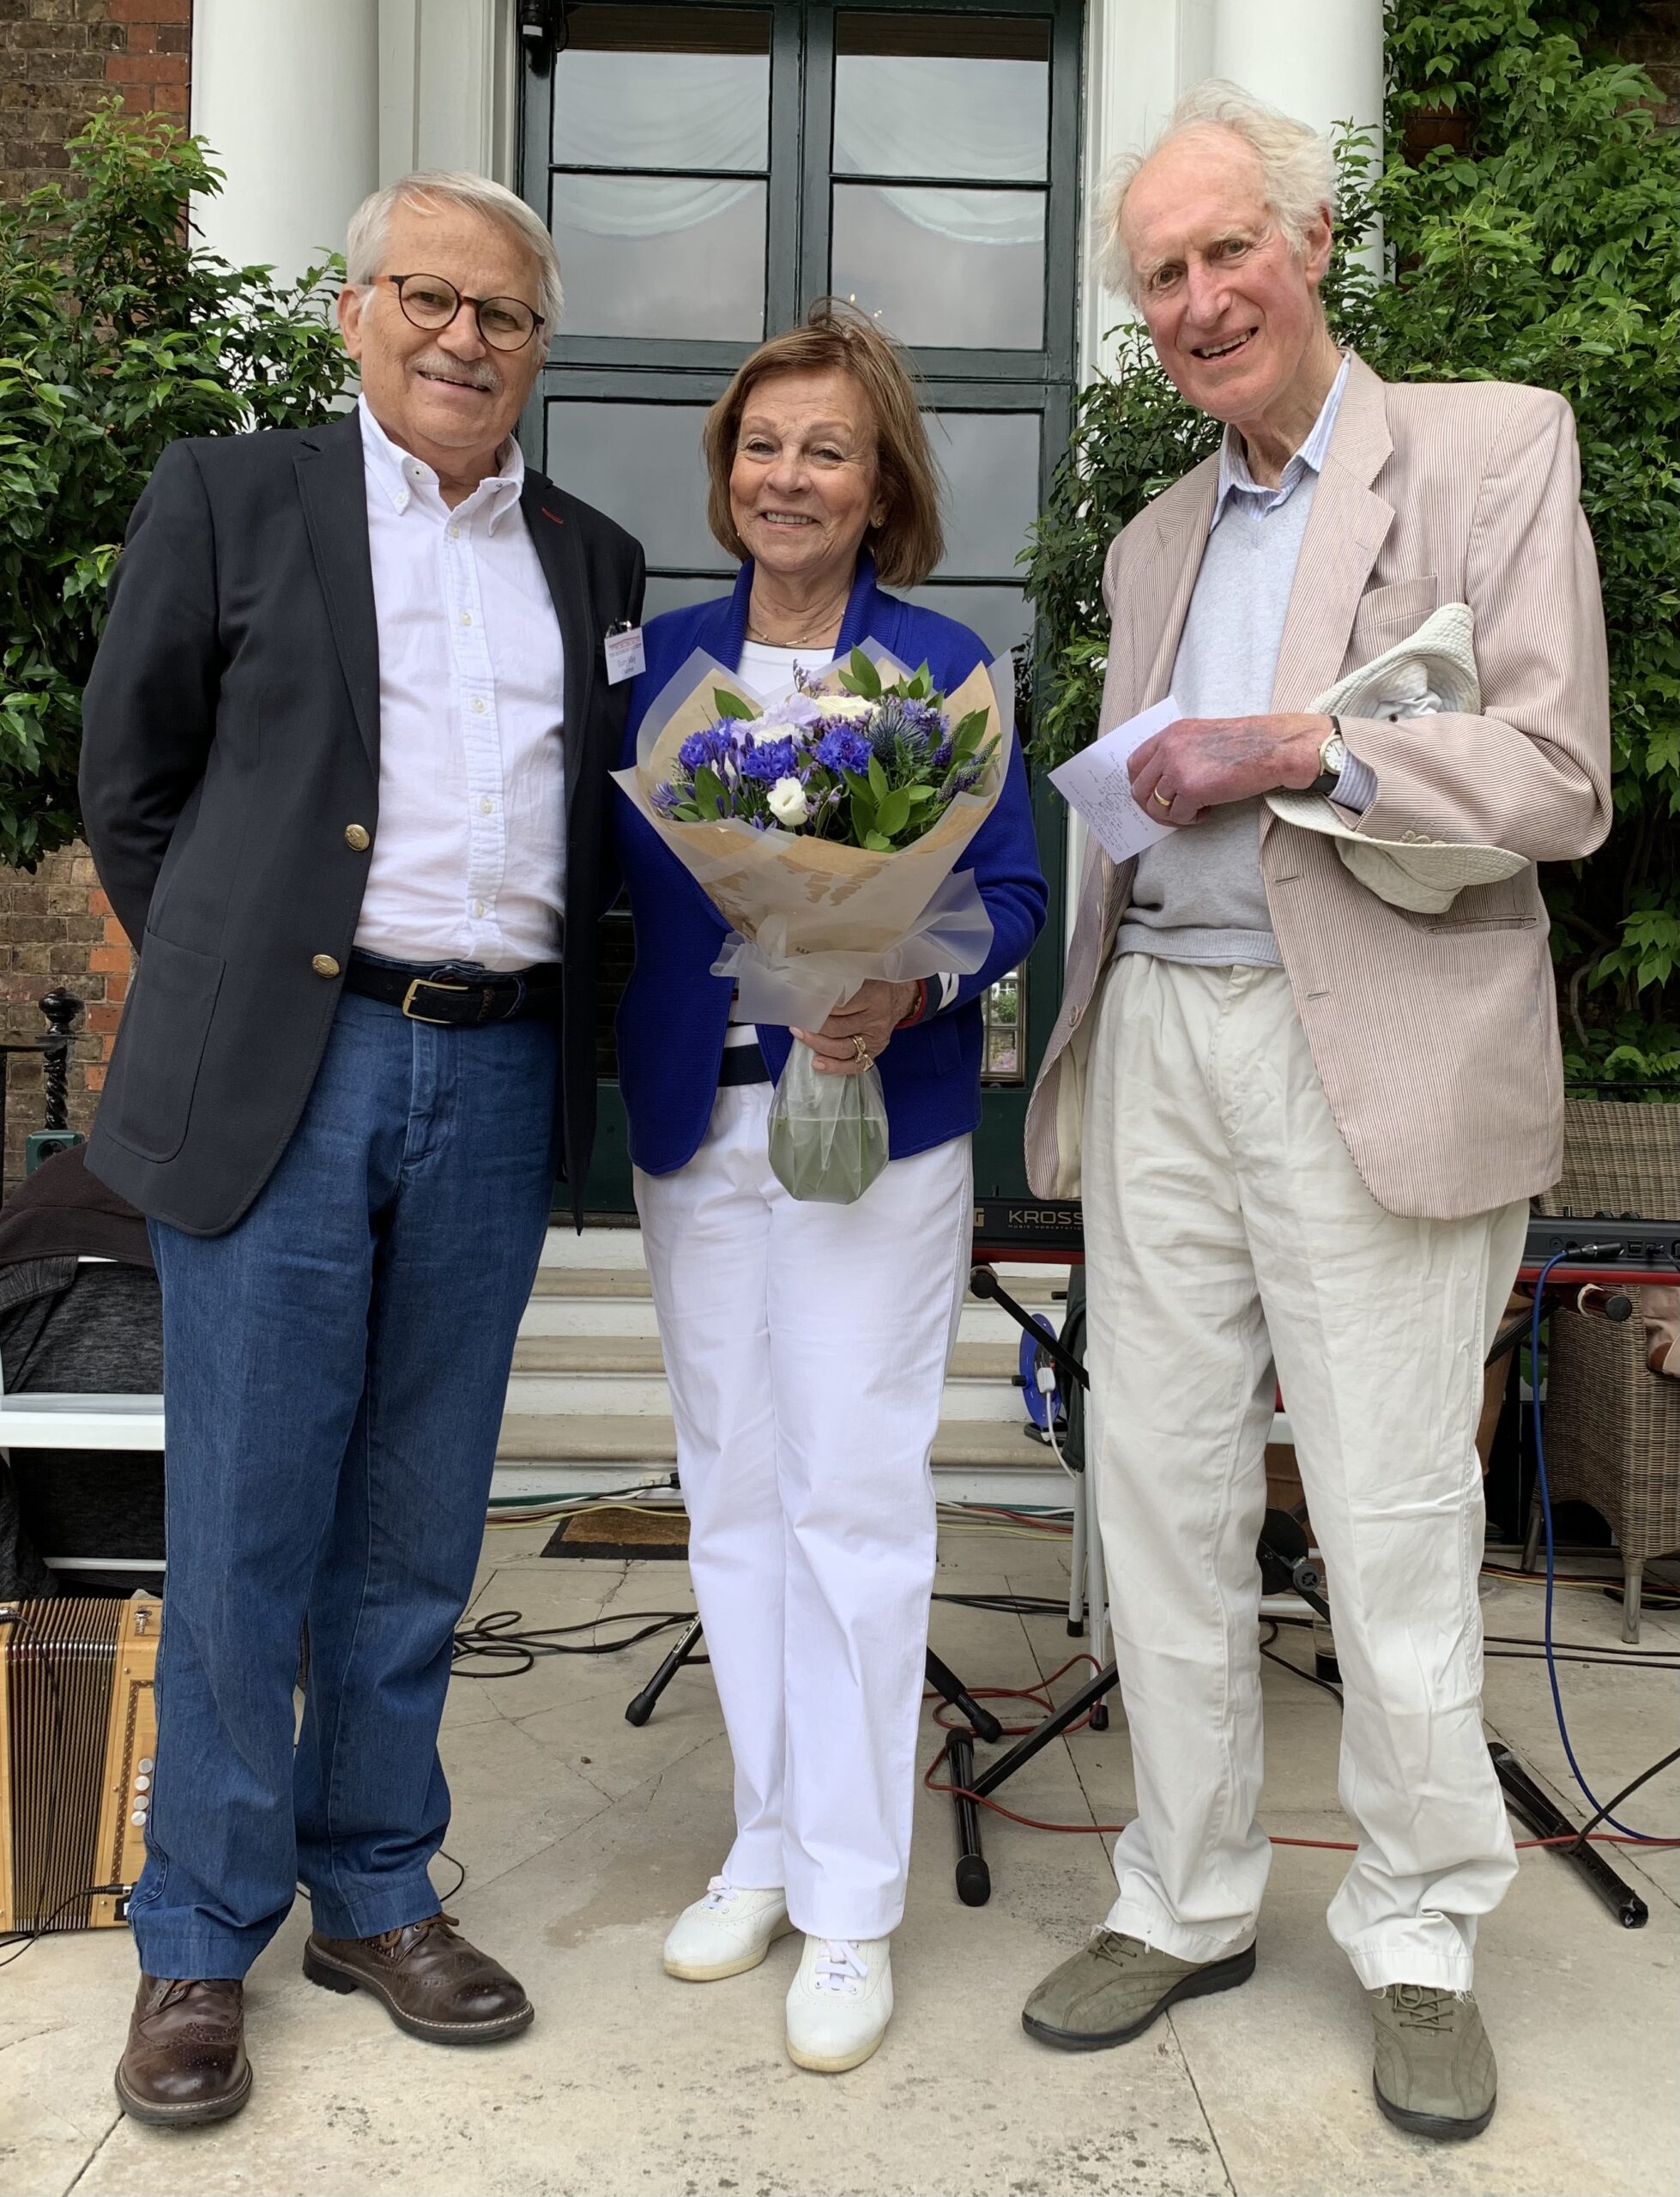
(479, 373)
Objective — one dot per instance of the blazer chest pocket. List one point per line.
(161, 1047)
(1388, 615)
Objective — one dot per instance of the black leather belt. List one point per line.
(741, 1064)
(455, 994)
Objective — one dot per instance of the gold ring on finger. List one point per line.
(1165, 799)
(860, 1051)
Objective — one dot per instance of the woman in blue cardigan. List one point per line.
(807, 1345)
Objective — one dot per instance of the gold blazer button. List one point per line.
(325, 965)
(357, 836)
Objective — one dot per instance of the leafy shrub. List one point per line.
(116, 335)
(1546, 252)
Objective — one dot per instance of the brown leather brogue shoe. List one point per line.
(185, 2060)
(433, 1983)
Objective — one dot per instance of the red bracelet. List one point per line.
(919, 1010)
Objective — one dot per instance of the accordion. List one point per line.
(78, 1739)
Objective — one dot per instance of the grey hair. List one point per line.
(1297, 163)
(370, 227)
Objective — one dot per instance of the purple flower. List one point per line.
(840, 749)
(768, 760)
(706, 750)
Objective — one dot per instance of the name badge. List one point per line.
(626, 655)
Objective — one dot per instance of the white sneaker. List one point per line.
(725, 1934)
(840, 2003)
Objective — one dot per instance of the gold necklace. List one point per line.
(804, 640)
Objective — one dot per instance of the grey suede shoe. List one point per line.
(1112, 1990)
(1434, 2073)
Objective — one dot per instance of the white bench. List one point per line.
(50, 1421)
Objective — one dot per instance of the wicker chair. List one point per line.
(1612, 1426)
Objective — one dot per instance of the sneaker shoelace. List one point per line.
(1420, 2005)
(720, 1895)
(840, 1966)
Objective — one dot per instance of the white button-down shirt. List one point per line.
(469, 860)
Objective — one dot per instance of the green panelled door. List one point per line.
(708, 171)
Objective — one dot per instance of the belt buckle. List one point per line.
(435, 984)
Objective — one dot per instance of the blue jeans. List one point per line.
(334, 1371)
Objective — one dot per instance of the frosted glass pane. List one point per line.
(990, 465)
(1002, 616)
(946, 115)
(962, 270)
(641, 464)
(661, 255)
(702, 102)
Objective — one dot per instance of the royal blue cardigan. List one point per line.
(671, 1019)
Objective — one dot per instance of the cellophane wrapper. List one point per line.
(813, 919)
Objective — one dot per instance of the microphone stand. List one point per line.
(1282, 1569)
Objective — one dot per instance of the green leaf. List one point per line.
(708, 795)
(862, 676)
(878, 778)
(863, 820)
(878, 844)
(894, 813)
(733, 705)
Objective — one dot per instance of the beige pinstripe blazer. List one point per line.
(1436, 1036)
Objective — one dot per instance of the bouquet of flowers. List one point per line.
(826, 828)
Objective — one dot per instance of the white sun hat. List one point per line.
(1432, 670)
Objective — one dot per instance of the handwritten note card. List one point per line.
(1094, 782)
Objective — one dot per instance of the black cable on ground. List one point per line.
(497, 1639)
(1615, 1800)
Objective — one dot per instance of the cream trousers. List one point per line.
(807, 1347)
(1228, 1234)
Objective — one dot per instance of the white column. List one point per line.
(1319, 60)
(288, 97)
(448, 87)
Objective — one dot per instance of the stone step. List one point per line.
(553, 1318)
(617, 1353)
(636, 1439)
(1043, 1285)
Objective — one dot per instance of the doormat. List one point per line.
(621, 1533)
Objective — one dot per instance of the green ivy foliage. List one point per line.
(1546, 251)
(117, 336)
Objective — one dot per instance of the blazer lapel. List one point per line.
(560, 551)
(1161, 591)
(334, 499)
(1345, 530)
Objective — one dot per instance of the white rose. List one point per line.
(788, 804)
(852, 707)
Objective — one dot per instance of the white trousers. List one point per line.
(1227, 1232)
(806, 1348)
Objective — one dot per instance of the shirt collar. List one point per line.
(1234, 478)
(400, 477)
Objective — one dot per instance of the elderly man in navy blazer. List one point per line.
(344, 775)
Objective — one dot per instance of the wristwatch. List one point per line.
(1331, 761)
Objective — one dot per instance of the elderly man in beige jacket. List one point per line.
(1305, 1121)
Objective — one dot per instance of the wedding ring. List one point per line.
(1165, 799)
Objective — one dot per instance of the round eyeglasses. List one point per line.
(428, 301)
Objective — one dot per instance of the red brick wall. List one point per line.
(58, 59)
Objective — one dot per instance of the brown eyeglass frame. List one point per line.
(461, 298)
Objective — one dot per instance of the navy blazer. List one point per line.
(675, 1012)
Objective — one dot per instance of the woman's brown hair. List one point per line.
(837, 337)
